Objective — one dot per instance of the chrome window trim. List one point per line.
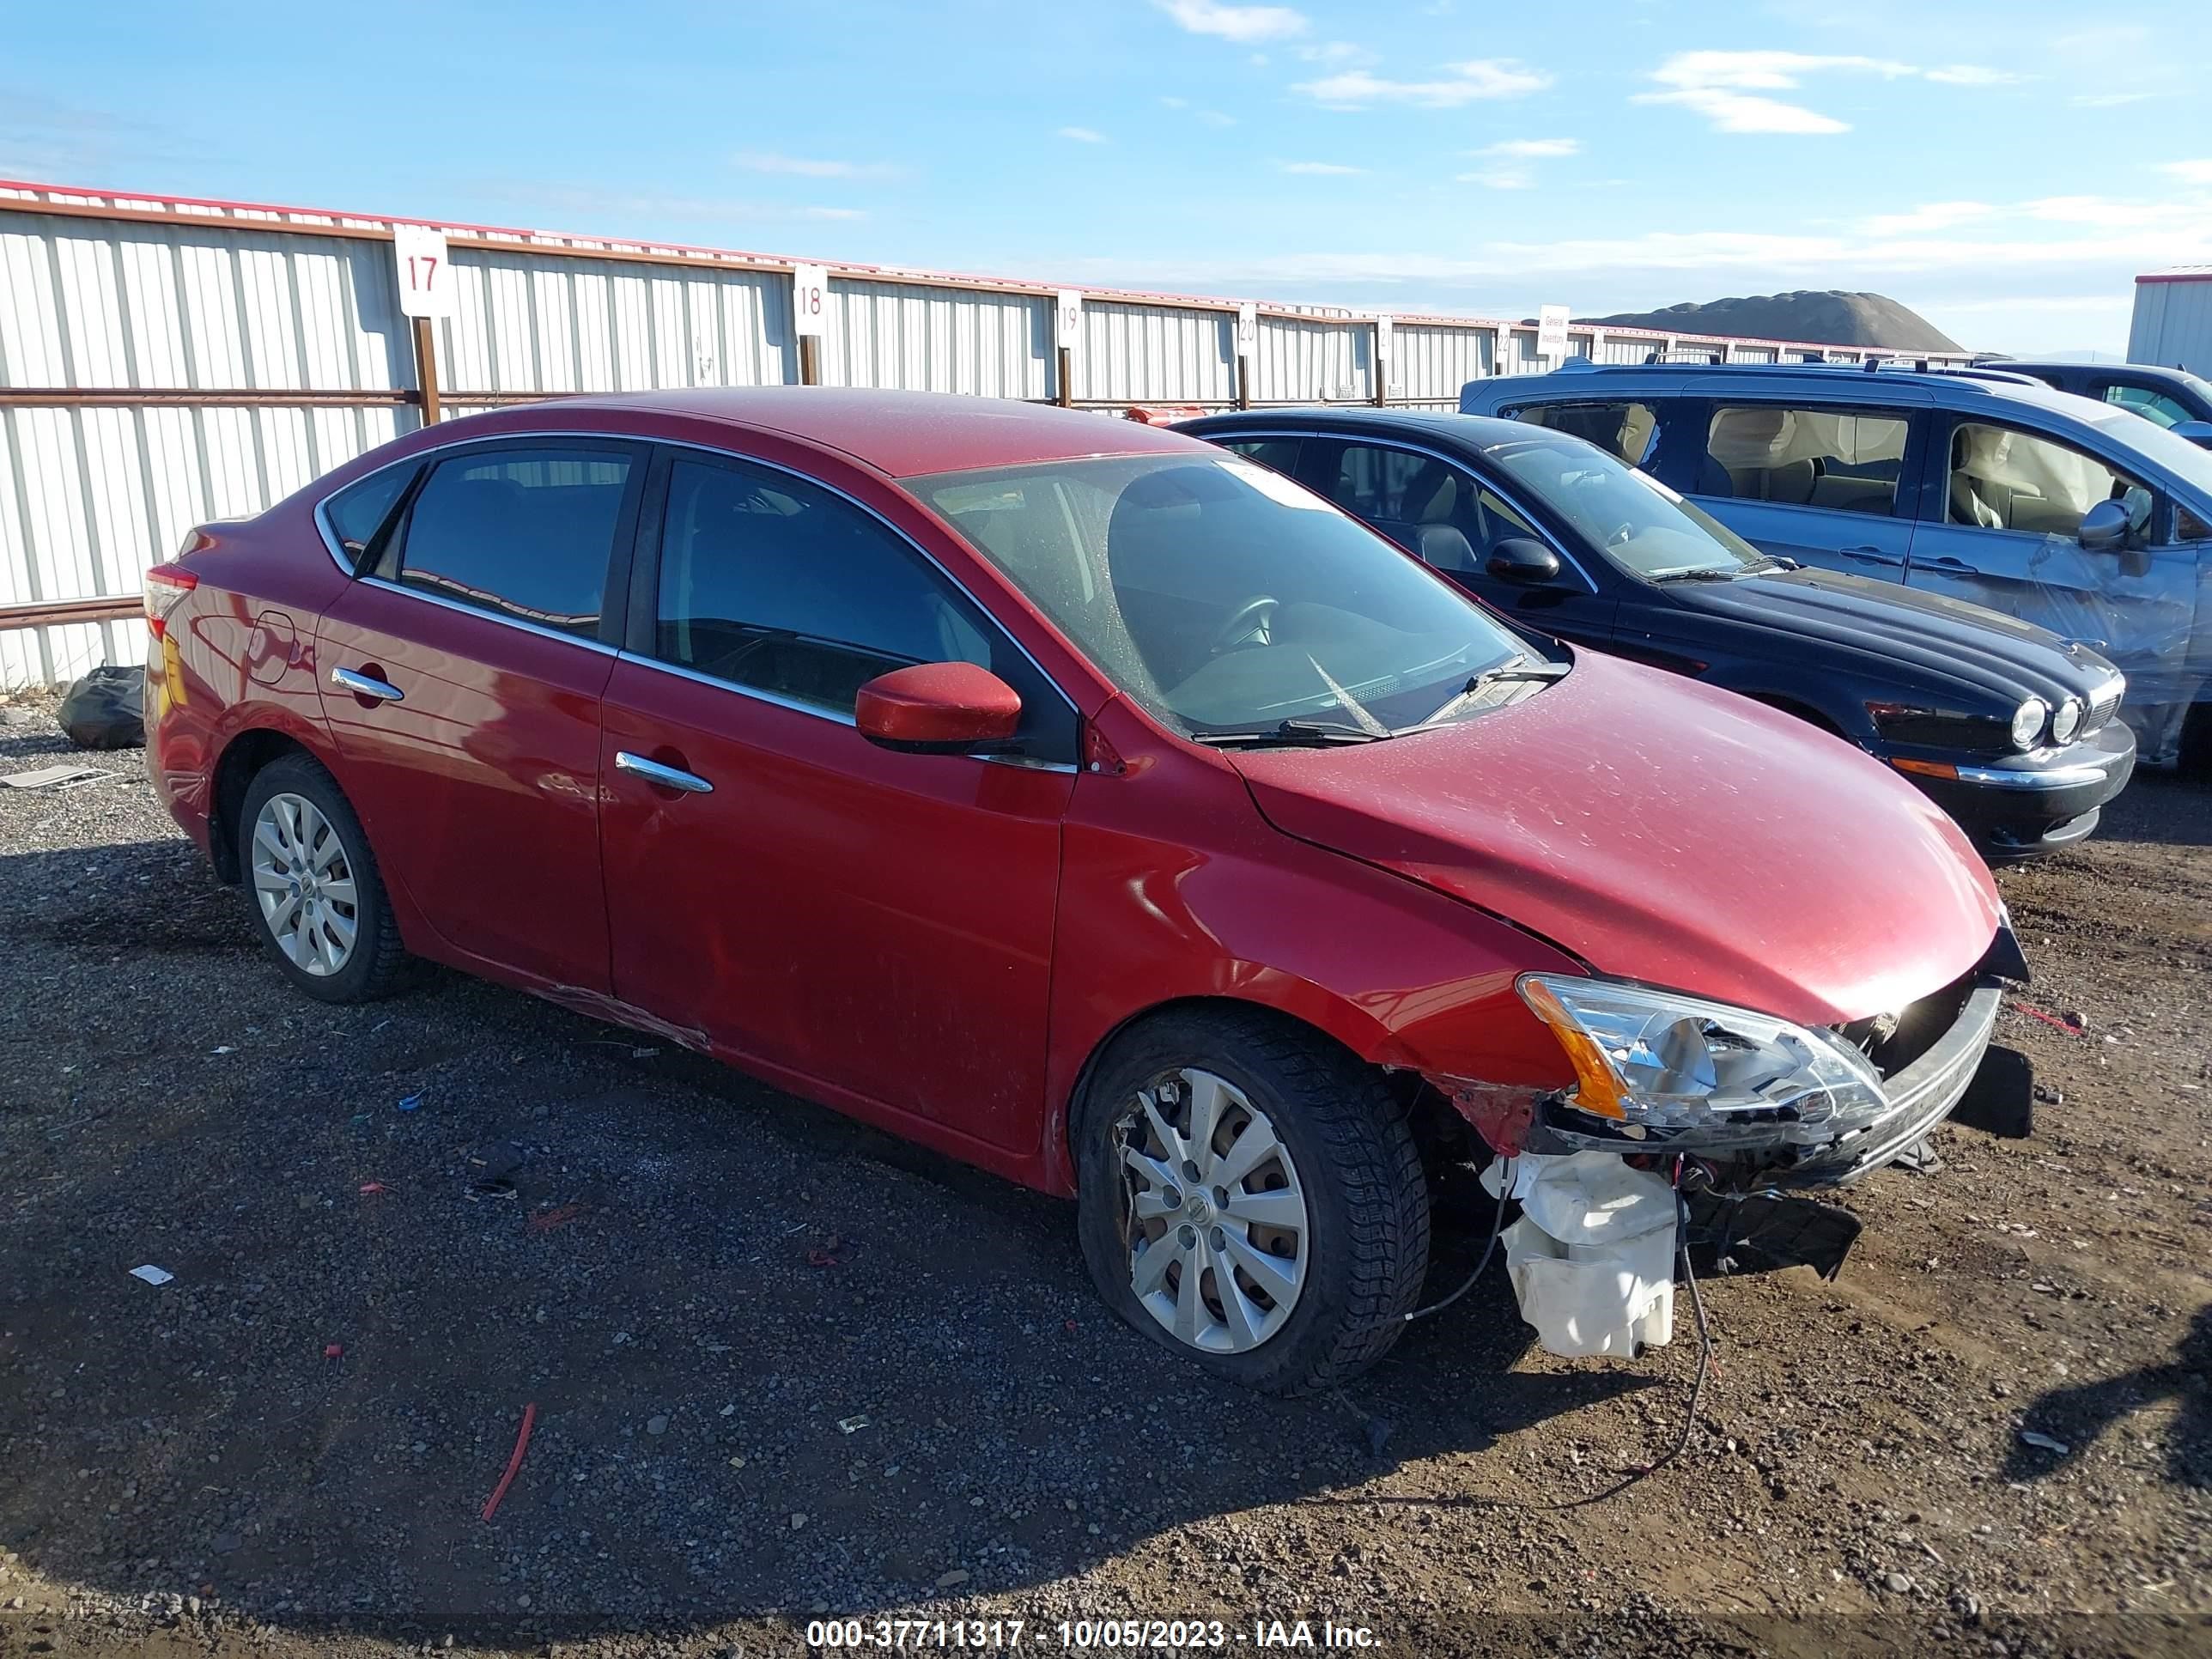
(433, 450)
(333, 543)
(1534, 520)
(538, 629)
(777, 700)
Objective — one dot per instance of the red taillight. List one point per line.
(167, 585)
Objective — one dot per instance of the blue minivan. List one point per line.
(2076, 515)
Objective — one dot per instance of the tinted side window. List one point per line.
(1628, 430)
(775, 585)
(526, 533)
(1281, 453)
(1392, 486)
(1836, 458)
(2002, 479)
(357, 512)
(2151, 406)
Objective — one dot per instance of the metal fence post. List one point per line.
(426, 369)
(1067, 396)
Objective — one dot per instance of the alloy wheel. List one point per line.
(1218, 1227)
(304, 883)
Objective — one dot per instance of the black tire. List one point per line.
(378, 963)
(1367, 1201)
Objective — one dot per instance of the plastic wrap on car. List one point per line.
(2145, 624)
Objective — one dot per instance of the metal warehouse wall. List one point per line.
(2172, 321)
(164, 361)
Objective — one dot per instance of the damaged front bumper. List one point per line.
(1930, 1058)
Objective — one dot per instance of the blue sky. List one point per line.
(2005, 168)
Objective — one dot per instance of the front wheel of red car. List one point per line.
(1250, 1197)
(319, 903)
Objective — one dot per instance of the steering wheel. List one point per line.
(1248, 625)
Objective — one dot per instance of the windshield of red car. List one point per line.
(1220, 595)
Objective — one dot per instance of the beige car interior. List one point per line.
(2006, 480)
(1622, 429)
(1806, 458)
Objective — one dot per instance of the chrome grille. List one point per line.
(2102, 705)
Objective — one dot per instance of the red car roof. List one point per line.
(905, 433)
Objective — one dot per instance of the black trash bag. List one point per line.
(106, 709)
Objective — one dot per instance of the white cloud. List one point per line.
(1509, 167)
(2111, 100)
(1083, 134)
(2098, 210)
(753, 160)
(1729, 88)
(831, 213)
(1337, 53)
(1499, 177)
(1235, 22)
(1175, 103)
(1477, 78)
(1214, 117)
(1533, 150)
(1930, 216)
(1320, 169)
(2189, 172)
(1973, 74)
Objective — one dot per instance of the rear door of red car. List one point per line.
(486, 620)
(876, 925)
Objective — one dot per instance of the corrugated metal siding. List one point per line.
(1752, 354)
(1156, 354)
(527, 322)
(1430, 360)
(1301, 360)
(1520, 356)
(2172, 325)
(244, 298)
(90, 497)
(101, 303)
(1625, 348)
(925, 339)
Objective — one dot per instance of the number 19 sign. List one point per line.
(426, 280)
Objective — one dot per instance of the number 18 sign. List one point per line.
(426, 280)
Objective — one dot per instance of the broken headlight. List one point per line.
(1693, 1074)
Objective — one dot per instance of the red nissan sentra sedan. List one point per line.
(1073, 797)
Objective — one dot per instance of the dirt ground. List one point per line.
(784, 1367)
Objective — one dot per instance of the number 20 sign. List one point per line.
(426, 279)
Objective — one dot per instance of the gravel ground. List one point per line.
(784, 1366)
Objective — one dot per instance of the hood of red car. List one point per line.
(1667, 832)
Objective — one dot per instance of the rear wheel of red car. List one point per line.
(318, 900)
(1250, 1197)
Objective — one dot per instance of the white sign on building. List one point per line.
(810, 299)
(426, 277)
(1551, 333)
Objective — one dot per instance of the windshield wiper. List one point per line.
(1523, 668)
(1703, 575)
(1289, 733)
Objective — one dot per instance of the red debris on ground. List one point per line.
(546, 1221)
(2071, 1027)
(514, 1463)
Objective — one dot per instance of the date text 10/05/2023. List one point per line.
(1130, 1635)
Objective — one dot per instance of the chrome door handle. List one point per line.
(1948, 563)
(668, 777)
(367, 685)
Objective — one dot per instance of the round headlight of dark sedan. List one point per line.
(2066, 723)
(2027, 723)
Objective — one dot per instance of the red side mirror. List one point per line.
(937, 708)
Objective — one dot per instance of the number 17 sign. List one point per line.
(426, 280)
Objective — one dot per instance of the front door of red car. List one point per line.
(461, 681)
(876, 925)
